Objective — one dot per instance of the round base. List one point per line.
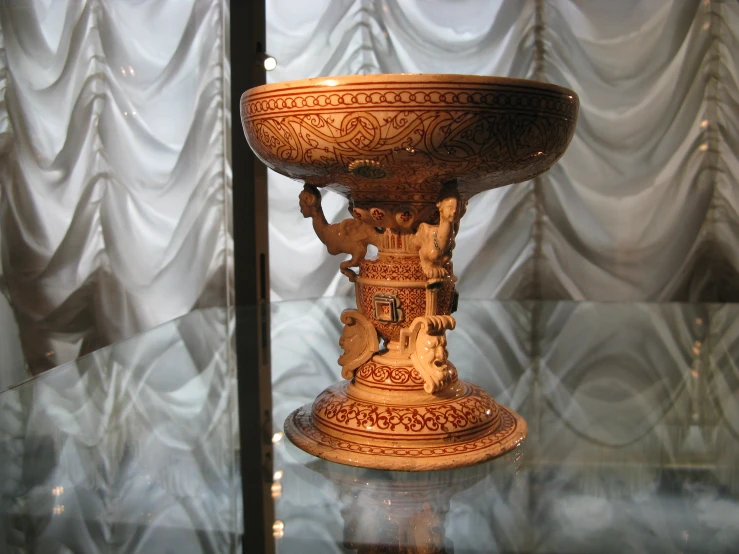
(405, 454)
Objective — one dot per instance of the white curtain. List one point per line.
(115, 181)
(643, 206)
(12, 363)
(113, 168)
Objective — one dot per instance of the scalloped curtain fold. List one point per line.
(113, 166)
(644, 204)
(115, 185)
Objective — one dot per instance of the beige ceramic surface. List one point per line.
(400, 455)
(401, 137)
(408, 151)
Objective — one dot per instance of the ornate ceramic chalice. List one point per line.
(407, 151)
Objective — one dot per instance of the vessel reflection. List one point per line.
(405, 512)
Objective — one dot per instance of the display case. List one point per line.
(633, 413)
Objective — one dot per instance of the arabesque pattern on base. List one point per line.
(375, 375)
(469, 411)
(402, 456)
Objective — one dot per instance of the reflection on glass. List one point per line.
(633, 445)
(129, 449)
(404, 512)
(634, 441)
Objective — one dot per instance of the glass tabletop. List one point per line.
(633, 414)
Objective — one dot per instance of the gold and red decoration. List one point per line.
(407, 151)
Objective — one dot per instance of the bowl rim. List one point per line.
(408, 78)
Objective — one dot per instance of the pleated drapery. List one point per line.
(115, 180)
(644, 204)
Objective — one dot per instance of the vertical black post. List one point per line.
(251, 282)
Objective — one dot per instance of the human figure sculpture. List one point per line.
(349, 236)
(436, 242)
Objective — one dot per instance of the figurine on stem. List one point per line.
(436, 242)
(349, 236)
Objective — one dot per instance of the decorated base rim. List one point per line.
(405, 456)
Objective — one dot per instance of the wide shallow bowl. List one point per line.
(401, 138)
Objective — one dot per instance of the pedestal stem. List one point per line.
(403, 406)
